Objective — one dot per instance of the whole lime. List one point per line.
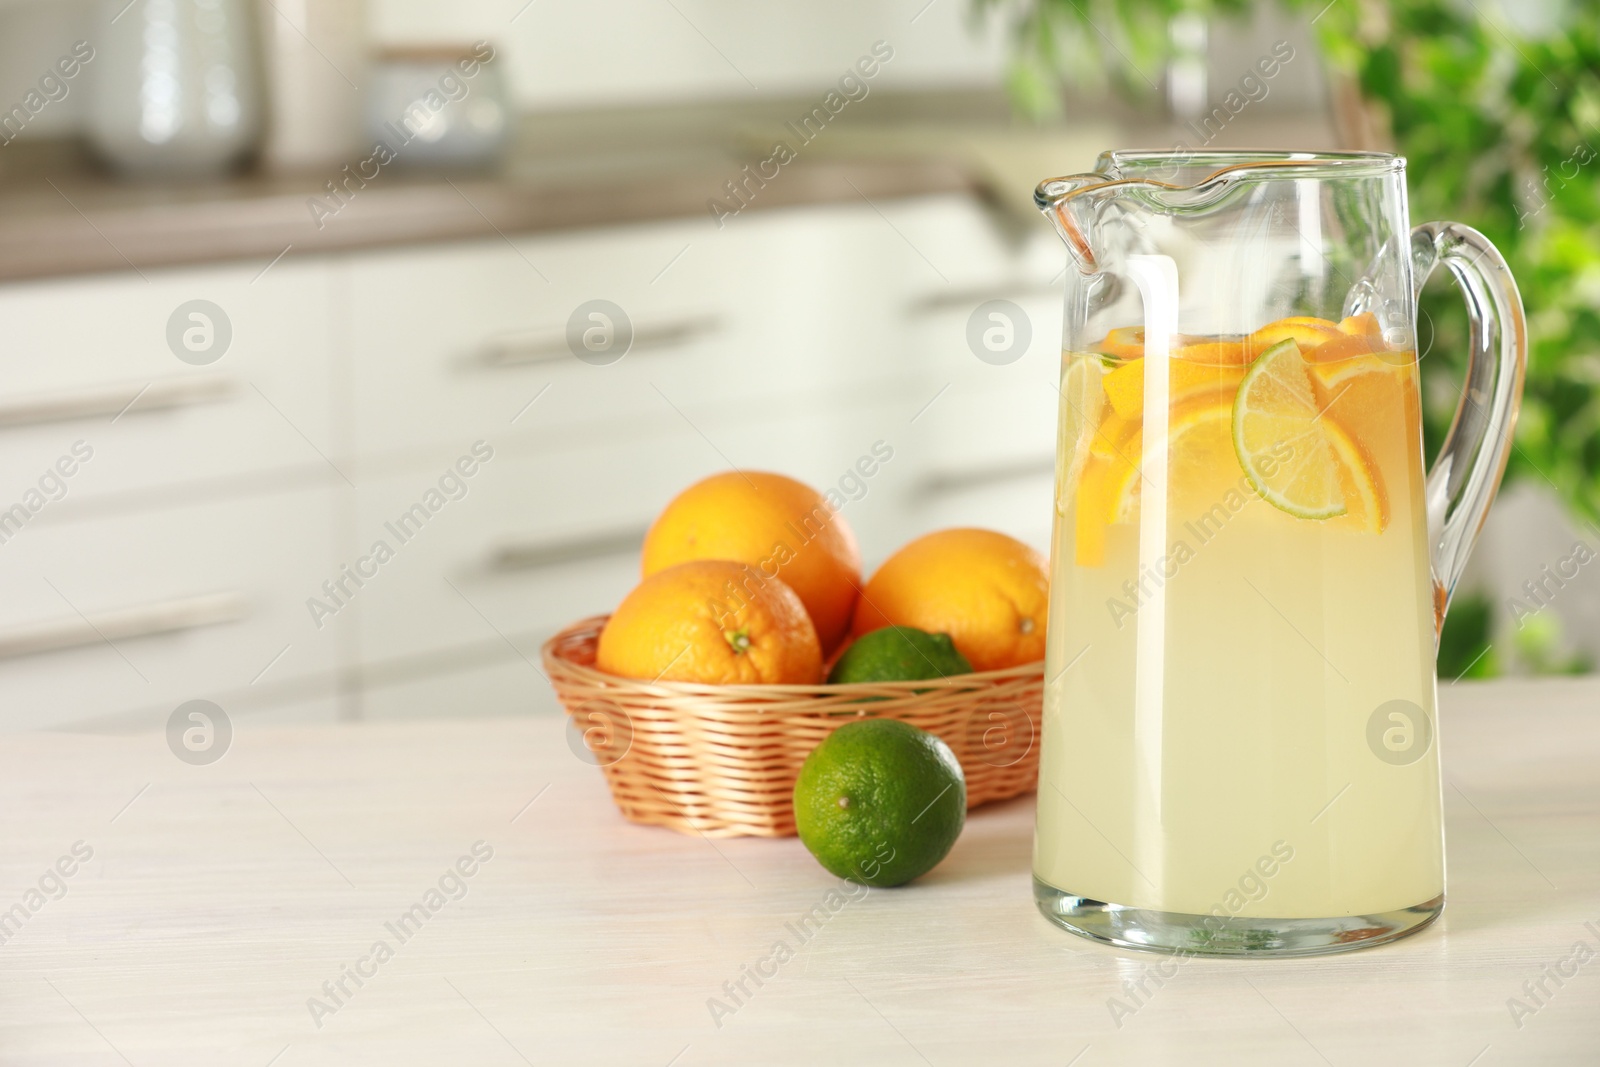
(880, 802)
(898, 654)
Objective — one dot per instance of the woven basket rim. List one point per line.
(553, 652)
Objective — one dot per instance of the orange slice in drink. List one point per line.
(1125, 342)
(1303, 330)
(1083, 403)
(1111, 439)
(1089, 521)
(1201, 466)
(1364, 325)
(1331, 377)
(1213, 353)
(1374, 398)
(1125, 389)
(1345, 346)
(1285, 454)
(1125, 385)
(1366, 504)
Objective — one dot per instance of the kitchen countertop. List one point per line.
(87, 222)
(218, 899)
(60, 214)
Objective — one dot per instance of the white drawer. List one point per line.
(1017, 501)
(986, 414)
(181, 603)
(536, 541)
(506, 687)
(545, 537)
(451, 343)
(300, 702)
(88, 359)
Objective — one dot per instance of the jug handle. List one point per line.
(1462, 482)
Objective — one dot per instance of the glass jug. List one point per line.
(1249, 568)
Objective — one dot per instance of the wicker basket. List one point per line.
(721, 760)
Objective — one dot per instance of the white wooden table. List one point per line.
(220, 898)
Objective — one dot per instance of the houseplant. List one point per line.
(1501, 126)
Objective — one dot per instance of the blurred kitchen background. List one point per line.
(240, 344)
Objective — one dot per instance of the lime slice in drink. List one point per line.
(1277, 435)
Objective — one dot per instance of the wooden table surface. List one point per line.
(219, 899)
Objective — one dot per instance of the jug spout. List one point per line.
(1071, 215)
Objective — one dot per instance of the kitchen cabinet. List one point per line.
(151, 607)
(426, 398)
(89, 359)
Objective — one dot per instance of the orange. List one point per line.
(780, 527)
(712, 621)
(989, 592)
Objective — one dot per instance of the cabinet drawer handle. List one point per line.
(108, 401)
(966, 300)
(533, 555)
(550, 346)
(121, 624)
